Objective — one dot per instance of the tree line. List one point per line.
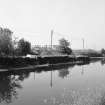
(10, 47)
(22, 47)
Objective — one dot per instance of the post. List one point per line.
(51, 48)
(83, 42)
(51, 37)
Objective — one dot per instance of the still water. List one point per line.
(66, 85)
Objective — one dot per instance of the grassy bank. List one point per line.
(40, 60)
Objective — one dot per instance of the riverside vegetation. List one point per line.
(12, 48)
(70, 84)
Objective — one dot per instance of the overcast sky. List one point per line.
(71, 19)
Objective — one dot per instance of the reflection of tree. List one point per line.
(8, 86)
(23, 75)
(63, 72)
(103, 61)
(9, 83)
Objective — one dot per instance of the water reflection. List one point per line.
(23, 75)
(51, 81)
(11, 81)
(9, 84)
(63, 72)
(83, 69)
(8, 88)
(103, 61)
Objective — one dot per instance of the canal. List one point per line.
(65, 85)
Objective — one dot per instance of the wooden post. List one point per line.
(51, 37)
(51, 84)
(83, 42)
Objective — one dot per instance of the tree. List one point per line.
(64, 46)
(64, 43)
(6, 45)
(103, 52)
(24, 47)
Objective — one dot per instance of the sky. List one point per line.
(73, 20)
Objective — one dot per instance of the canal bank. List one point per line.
(40, 61)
